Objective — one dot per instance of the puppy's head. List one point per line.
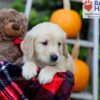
(46, 43)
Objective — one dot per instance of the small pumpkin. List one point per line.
(81, 73)
(69, 20)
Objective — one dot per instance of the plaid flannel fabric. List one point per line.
(14, 87)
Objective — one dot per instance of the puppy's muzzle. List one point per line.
(53, 57)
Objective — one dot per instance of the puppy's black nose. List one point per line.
(53, 57)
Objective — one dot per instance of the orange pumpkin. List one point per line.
(69, 20)
(81, 75)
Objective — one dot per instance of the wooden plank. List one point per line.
(82, 95)
(83, 43)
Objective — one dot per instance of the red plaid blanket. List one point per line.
(14, 87)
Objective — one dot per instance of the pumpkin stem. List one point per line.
(66, 4)
(76, 48)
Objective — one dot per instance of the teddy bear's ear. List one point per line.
(27, 46)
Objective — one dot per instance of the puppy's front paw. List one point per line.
(29, 70)
(45, 76)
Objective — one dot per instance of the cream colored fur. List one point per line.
(35, 54)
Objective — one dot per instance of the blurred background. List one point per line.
(42, 10)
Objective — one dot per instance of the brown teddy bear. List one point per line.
(13, 26)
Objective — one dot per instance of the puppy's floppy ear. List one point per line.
(27, 46)
(65, 50)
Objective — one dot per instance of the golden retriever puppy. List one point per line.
(44, 46)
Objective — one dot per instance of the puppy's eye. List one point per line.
(59, 44)
(45, 43)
